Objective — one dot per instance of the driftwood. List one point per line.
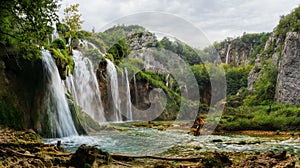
(7, 150)
(121, 163)
(64, 154)
(36, 144)
(119, 156)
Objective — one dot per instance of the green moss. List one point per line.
(64, 61)
(82, 121)
(10, 116)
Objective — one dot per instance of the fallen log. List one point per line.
(119, 156)
(121, 163)
(7, 150)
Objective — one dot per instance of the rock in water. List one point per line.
(88, 155)
(288, 80)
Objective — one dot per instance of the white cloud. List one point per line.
(218, 19)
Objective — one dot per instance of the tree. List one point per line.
(27, 21)
(72, 20)
(26, 24)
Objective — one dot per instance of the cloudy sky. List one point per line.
(217, 19)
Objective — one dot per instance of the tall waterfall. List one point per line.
(114, 89)
(55, 102)
(227, 54)
(83, 85)
(128, 97)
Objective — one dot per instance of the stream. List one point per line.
(147, 141)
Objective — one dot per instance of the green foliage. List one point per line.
(288, 23)
(119, 50)
(72, 21)
(264, 88)
(25, 22)
(64, 61)
(282, 117)
(183, 50)
(58, 44)
(236, 78)
(117, 33)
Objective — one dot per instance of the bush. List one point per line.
(58, 44)
(281, 117)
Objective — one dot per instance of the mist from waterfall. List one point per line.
(83, 85)
(114, 90)
(55, 103)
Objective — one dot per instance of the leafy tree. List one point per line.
(72, 21)
(26, 23)
(236, 78)
(119, 50)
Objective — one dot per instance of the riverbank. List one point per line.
(25, 149)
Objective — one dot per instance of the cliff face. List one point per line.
(22, 89)
(285, 55)
(241, 50)
(20, 92)
(288, 80)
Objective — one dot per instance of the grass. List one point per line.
(278, 117)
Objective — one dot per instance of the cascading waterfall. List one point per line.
(83, 85)
(128, 97)
(113, 76)
(55, 102)
(167, 80)
(227, 54)
(54, 34)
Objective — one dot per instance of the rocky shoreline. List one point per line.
(25, 149)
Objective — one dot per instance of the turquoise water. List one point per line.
(146, 141)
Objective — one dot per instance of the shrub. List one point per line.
(58, 44)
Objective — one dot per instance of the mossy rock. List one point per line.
(59, 44)
(82, 121)
(64, 62)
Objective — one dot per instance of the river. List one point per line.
(125, 138)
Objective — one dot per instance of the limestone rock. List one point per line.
(254, 74)
(86, 156)
(288, 80)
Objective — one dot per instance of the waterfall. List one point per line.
(54, 34)
(167, 80)
(128, 97)
(55, 102)
(83, 85)
(227, 54)
(113, 76)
